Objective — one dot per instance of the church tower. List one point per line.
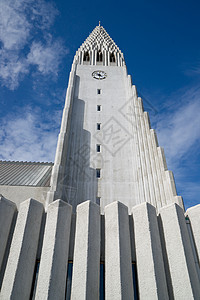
(106, 149)
(113, 227)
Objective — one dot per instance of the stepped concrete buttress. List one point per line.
(54, 258)
(19, 271)
(86, 267)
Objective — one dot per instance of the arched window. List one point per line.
(99, 56)
(86, 56)
(112, 57)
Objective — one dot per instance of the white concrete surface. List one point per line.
(131, 179)
(150, 266)
(19, 194)
(58, 174)
(118, 266)
(86, 266)
(18, 276)
(8, 210)
(180, 259)
(194, 216)
(54, 258)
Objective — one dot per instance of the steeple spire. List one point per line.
(99, 48)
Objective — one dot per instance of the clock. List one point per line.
(99, 74)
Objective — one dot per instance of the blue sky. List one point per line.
(161, 44)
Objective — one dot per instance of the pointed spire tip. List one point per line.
(99, 23)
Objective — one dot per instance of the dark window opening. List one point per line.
(69, 281)
(98, 107)
(102, 282)
(112, 57)
(98, 126)
(135, 282)
(98, 200)
(86, 56)
(98, 173)
(99, 56)
(35, 278)
(98, 91)
(98, 148)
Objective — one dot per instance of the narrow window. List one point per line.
(98, 200)
(98, 148)
(98, 91)
(99, 56)
(98, 173)
(86, 56)
(135, 281)
(98, 107)
(69, 280)
(98, 126)
(35, 278)
(112, 57)
(102, 281)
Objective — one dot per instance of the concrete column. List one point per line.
(7, 211)
(60, 157)
(180, 260)
(54, 258)
(105, 58)
(159, 156)
(21, 261)
(150, 265)
(163, 169)
(159, 190)
(138, 164)
(95, 57)
(138, 110)
(194, 215)
(118, 268)
(171, 183)
(86, 268)
(148, 160)
(118, 59)
(80, 57)
(93, 54)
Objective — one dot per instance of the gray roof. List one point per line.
(25, 173)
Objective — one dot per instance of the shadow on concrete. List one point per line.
(79, 182)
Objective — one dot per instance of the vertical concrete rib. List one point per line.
(158, 188)
(164, 170)
(7, 211)
(118, 276)
(54, 258)
(149, 259)
(60, 157)
(180, 260)
(147, 157)
(160, 170)
(194, 215)
(138, 110)
(21, 261)
(138, 182)
(86, 267)
(141, 194)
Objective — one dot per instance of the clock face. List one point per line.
(99, 74)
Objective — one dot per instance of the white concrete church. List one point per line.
(104, 221)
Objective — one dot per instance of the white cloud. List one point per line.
(179, 130)
(24, 29)
(45, 56)
(43, 13)
(14, 26)
(25, 137)
(12, 69)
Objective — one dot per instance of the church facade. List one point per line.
(104, 221)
